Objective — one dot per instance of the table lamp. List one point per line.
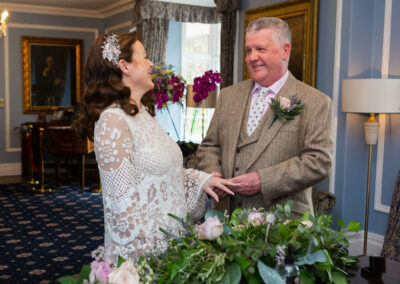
(370, 96)
(209, 102)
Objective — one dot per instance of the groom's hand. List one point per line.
(247, 184)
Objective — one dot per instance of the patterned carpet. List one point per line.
(45, 236)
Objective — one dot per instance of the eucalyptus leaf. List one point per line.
(212, 213)
(339, 278)
(287, 210)
(305, 216)
(173, 269)
(304, 278)
(253, 278)
(69, 280)
(353, 226)
(120, 261)
(268, 274)
(340, 222)
(85, 271)
(310, 259)
(232, 274)
(243, 263)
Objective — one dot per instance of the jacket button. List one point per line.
(238, 151)
(237, 168)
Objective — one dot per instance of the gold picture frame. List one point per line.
(302, 18)
(52, 73)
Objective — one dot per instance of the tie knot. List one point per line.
(263, 91)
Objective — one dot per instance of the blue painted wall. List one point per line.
(41, 25)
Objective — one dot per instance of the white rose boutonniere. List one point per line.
(286, 109)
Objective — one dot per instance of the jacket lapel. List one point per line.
(238, 109)
(271, 127)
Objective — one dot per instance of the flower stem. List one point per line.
(193, 121)
(173, 124)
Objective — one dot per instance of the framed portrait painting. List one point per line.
(302, 18)
(52, 73)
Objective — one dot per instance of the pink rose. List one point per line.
(100, 270)
(125, 274)
(255, 219)
(284, 102)
(211, 229)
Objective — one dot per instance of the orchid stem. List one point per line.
(193, 121)
(173, 124)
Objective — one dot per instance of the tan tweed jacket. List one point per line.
(289, 157)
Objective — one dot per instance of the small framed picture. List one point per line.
(57, 115)
(42, 117)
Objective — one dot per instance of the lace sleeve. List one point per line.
(113, 147)
(196, 199)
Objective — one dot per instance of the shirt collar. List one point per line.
(275, 87)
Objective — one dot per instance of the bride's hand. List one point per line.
(217, 183)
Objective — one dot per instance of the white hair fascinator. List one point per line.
(111, 49)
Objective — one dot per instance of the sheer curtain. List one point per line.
(151, 19)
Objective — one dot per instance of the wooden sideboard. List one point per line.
(59, 140)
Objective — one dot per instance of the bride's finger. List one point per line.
(213, 194)
(228, 182)
(224, 188)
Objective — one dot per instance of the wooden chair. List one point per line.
(63, 141)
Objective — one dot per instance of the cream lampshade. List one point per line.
(370, 96)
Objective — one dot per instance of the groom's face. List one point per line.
(267, 56)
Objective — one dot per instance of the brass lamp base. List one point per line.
(371, 129)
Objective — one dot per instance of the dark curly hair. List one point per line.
(104, 86)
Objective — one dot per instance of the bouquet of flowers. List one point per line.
(252, 245)
(205, 84)
(249, 245)
(167, 86)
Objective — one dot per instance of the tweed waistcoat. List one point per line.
(245, 150)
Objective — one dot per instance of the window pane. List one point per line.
(200, 53)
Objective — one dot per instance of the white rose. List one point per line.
(211, 229)
(125, 274)
(284, 102)
(270, 219)
(255, 219)
(307, 223)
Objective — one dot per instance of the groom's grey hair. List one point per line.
(279, 26)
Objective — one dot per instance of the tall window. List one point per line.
(200, 52)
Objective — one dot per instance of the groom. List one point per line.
(269, 160)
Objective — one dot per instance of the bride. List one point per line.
(140, 165)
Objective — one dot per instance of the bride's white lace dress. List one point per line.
(142, 181)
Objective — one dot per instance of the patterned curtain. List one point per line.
(152, 19)
(154, 34)
(227, 9)
(391, 245)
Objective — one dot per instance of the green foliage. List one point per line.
(69, 280)
(268, 274)
(250, 252)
